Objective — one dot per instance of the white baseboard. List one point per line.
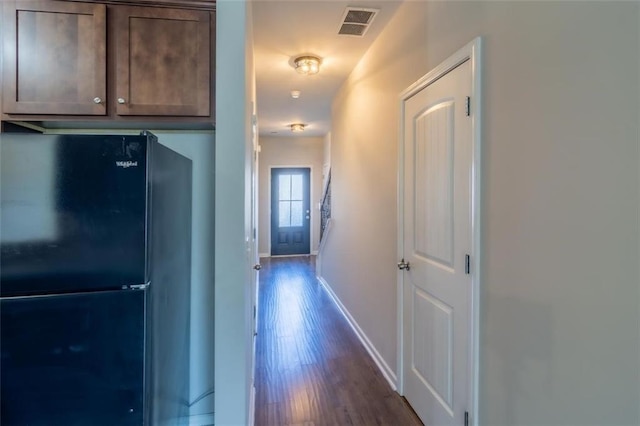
(180, 421)
(252, 407)
(202, 420)
(377, 358)
(202, 410)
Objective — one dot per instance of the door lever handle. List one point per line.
(404, 266)
(257, 266)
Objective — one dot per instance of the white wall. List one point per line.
(288, 151)
(235, 97)
(200, 147)
(560, 341)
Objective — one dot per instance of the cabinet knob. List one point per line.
(121, 100)
(97, 100)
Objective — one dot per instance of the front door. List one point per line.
(290, 211)
(436, 242)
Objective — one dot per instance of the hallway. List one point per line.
(311, 369)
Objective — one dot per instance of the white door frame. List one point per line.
(471, 52)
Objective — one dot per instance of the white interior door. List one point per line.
(437, 288)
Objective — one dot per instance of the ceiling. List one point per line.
(286, 29)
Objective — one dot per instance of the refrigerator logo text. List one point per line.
(126, 164)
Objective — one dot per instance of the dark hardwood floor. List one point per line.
(311, 367)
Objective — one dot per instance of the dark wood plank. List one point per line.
(310, 367)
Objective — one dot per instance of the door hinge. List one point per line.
(468, 106)
(254, 311)
(467, 264)
(466, 418)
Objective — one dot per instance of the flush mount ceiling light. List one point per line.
(297, 127)
(307, 64)
(295, 94)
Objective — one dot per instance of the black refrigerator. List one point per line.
(94, 281)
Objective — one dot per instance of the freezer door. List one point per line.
(73, 360)
(74, 213)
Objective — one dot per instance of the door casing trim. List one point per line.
(471, 52)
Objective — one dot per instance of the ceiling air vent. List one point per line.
(356, 21)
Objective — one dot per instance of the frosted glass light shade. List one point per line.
(307, 65)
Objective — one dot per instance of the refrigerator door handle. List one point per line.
(135, 286)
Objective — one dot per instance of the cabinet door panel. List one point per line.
(54, 58)
(162, 61)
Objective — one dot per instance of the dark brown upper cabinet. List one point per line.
(54, 57)
(162, 61)
(108, 61)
